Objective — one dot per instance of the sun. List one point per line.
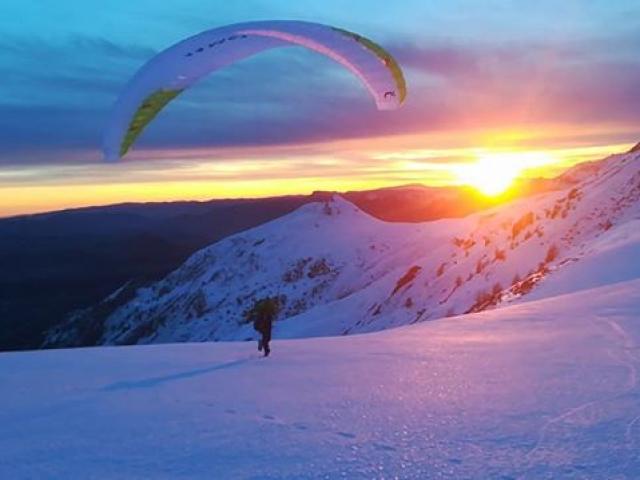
(490, 174)
(493, 173)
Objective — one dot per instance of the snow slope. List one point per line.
(337, 270)
(539, 390)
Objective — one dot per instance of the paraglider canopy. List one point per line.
(175, 69)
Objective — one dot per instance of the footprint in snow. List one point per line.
(268, 417)
(346, 434)
(382, 446)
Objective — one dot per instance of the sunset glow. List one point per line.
(434, 160)
(488, 102)
(494, 173)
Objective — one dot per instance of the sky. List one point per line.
(555, 80)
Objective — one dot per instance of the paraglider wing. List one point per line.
(170, 72)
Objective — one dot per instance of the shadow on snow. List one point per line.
(155, 381)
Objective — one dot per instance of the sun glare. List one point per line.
(493, 173)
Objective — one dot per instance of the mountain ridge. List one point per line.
(337, 270)
(58, 262)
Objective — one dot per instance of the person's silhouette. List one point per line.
(264, 311)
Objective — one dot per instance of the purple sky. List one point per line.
(571, 67)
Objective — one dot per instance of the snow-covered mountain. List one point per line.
(337, 270)
(543, 387)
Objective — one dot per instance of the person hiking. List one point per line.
(264, 312)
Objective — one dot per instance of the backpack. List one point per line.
(264, 311)
(259, 323)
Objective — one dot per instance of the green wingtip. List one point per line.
(147, 111)
(383, 55)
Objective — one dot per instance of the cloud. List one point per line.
(56, 96)
(37, 48)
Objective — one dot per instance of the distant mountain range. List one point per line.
(337, 270)
(57, 262)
